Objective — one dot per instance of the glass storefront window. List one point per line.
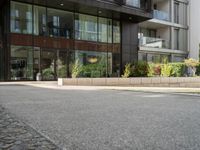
(95, 43)
(105, 30)
(40, 21)
(60, 23)
(48, 64)
(21, 18)
(93, 64)
(21, 63)
(62, 64)
(116, 32)
(85, 27)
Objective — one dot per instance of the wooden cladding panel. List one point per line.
(62, 43)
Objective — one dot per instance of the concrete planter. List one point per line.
(140, 82)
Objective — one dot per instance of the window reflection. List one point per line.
(105, 30)
(116, 32)
(21, 18)
(40, 25)
(85, 27)
(60, 23)
(93, 64)
(96, 43)
(21, 63)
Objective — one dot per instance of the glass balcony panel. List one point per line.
(154, 42)
(137, 3)
(161, 15)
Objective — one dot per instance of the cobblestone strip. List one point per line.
(16, 135)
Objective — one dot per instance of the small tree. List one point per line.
(192, 64)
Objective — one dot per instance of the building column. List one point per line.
(172, 20)
(129, 42)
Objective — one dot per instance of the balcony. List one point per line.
(154, 42)
(161, 15)
(142, 4)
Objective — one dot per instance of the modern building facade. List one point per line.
(166, 35)
(49, 37)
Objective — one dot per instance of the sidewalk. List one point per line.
(53, 85)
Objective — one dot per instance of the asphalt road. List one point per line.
(107, 119)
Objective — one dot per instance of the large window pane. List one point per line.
(105, 30)
(48, 64)
(116, 32)
(40, 25)
(60, 23)
(135, 3)
(21, 63)
(93, 64)
(21, 18)
(62, 64)
(85, 27)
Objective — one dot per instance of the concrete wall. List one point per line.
(194, 28)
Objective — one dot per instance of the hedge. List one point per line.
(143, 69)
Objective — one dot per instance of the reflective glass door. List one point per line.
(48, 64)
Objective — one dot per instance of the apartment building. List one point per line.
(166, 35)
(194, 29)
(51, 36)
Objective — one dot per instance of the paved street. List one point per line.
(106, 119)
(15, 135)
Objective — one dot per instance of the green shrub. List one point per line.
(48, 74)
(140, 69)
(166, 70)
(93, 70)
(76, 69)
(192, 64)
(154, 70)
(198, 70)
(178, 69)
(62, 71)
(127, 71)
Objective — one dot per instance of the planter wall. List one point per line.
(140, 82)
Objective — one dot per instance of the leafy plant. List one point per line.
(154, 70)
(166, 70)
(140, 69)
(178, 69)
(198, 70)
(48, 73)
(127, 71)
(192, 64)
(76, 69)
(62, 71)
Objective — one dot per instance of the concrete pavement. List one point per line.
(96, 119)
